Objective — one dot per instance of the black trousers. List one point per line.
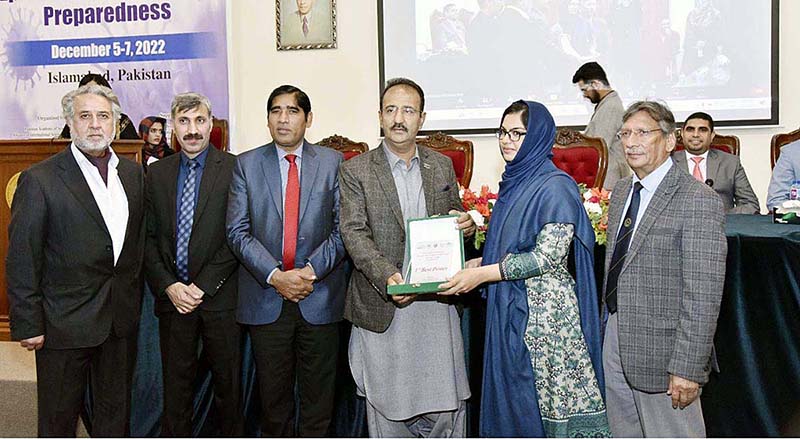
(62, 377)
(292, 349)
(180, 335)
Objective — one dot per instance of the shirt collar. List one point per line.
(653, 179)
(689, 155)
(609, 94)
(82, 160)
(200, 159)
(394, 158)
(282, 153)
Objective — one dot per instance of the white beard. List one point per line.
(89, 147)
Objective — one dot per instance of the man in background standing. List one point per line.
(607, 118)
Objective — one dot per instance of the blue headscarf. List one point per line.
(533, 193)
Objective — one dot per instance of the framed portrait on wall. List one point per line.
(305, 24)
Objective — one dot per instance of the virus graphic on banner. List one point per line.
(21, 28)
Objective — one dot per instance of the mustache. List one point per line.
(195, 136)
(399, 126)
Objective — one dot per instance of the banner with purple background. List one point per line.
(148, 50)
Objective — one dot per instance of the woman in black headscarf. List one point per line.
(152, 131)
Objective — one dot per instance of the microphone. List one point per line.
(710, 182)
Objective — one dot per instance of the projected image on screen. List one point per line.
(473, 57)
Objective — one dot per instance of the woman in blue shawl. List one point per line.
(542, 369)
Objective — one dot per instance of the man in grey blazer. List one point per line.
(406, 352)
(718, 169)
(283, 225)
(665, 268)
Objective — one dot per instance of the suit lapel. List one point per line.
(661, 198)
(427, 171)
(383, 172)
(272, 175)
(73, 179)
(172, 191)
(614, 217)
(712, 165)
(131, 184)
(210, 173)
(679, 157)
(308, 175)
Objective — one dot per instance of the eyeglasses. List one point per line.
(513, 135)
(642, 134)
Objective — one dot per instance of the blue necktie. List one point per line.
(621, 248)
(185, 222)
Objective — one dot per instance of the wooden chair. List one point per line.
(584, 158)
(779, 141)
(729, 144)
(344, 145)
(220, 136)
(460, 153)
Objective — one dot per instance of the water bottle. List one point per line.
(794, 192)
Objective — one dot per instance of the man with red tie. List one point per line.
(283, 225)
(718, 169)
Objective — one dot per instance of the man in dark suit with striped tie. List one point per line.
(192, 271)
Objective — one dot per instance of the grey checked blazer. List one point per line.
(730, 180)
(670, 286)
(373, 229)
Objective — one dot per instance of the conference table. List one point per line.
(756, 392)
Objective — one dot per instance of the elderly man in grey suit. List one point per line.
(607, 117)
(665, 269)
(718, 169)
(406, 355)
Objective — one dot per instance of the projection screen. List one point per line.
(474, 57)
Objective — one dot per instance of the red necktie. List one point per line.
(697, 173)
(291, 212)
(305, 26)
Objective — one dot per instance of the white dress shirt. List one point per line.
(649, 185)
(111, 200)
(703, 164)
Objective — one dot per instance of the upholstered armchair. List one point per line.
(584, 158)
(779, 141)
(344, 145)
(459, 151)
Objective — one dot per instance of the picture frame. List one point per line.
(305, 24)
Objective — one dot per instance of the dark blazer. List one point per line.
(212, 265)
(62, 281)
(729, 180)
(670, 286)
(255, 233)
(374, 231)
